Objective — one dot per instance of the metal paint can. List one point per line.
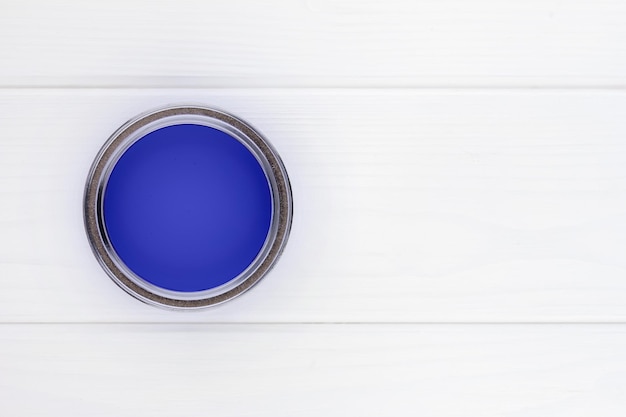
(176, 194)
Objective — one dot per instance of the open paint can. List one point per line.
(187, 207)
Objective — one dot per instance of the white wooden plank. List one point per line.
(268, 370)
(409, 205)
(313, 43)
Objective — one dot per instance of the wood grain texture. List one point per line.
(451, 161)
(410, 206)
(312, 43)
(443, 371)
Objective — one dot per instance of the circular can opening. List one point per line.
(187, 207)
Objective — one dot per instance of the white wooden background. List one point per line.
(459, 239)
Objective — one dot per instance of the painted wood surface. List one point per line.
(410, 206)
(243, 370)
(452, 162)
(313, 43)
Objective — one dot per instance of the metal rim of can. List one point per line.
(131, 132)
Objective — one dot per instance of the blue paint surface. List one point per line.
(187, 207)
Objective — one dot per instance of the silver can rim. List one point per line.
(131, 132)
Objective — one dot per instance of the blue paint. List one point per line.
(187, 207)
